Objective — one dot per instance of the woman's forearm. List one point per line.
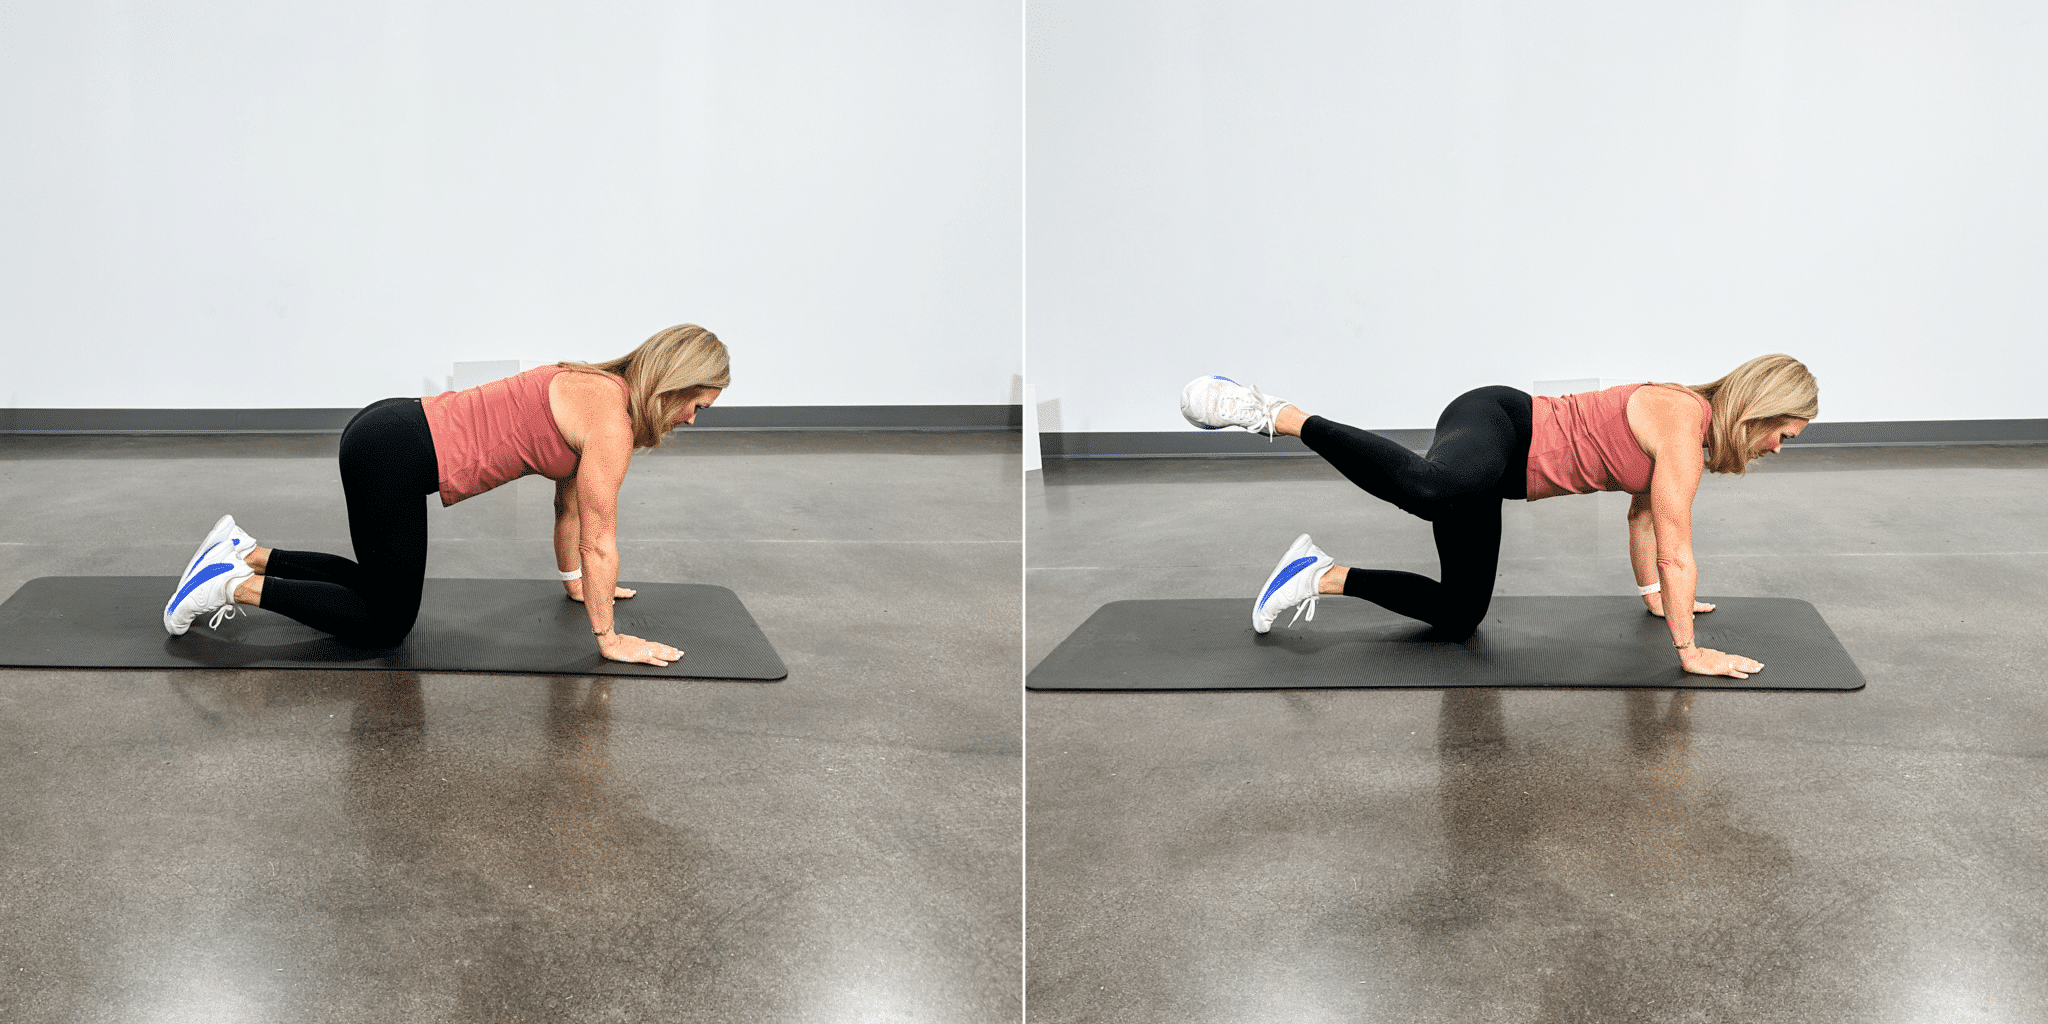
(1642, 549)
(568, 532)
(567, 557)
(600, 577)
(1681, 582)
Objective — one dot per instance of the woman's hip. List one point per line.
(390, 439)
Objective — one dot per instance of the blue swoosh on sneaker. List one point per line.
(1286, 574)
(201, 558)
(193, 581)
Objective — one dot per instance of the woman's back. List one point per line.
(1582, 443)
(494, 433)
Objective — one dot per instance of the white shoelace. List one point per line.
(226, 611)
(1308, 604)
(1261, 408)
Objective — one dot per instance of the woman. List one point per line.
(1651, 440)
(575, 423)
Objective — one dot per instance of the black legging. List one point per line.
(387, 464)
(1479, 458)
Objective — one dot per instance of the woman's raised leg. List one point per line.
(1478, 458)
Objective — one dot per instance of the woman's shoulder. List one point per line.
(1660, 401)
(584, 403)
(583, 384)
(1661, 416)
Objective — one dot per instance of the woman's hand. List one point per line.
(1702, 661)
(1656, 603)
(575, 589)
(620, 647)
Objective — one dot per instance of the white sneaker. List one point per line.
(226, 536)
(1292, 584)
(208, 587)
(1213, 403)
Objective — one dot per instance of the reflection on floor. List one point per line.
(1513, 855)
(353, 847)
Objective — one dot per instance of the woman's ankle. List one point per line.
(1332, 581)
(1287, 421)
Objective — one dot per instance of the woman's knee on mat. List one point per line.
(1465, 617)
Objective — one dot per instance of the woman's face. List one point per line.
(693, 400)
(1772, 434)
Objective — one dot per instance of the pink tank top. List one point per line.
(495, 433)
(1581, 443)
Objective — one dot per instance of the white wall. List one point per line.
(1370, 206)
(291, 203)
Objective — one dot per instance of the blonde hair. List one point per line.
(1764, 389)
(660, 371)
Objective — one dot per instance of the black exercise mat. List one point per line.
(523, 626)
(1526, 641)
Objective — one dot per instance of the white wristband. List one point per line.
(1651, 589)
(573, 574)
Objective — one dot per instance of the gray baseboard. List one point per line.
(863, 417)
(1907, 433)
(174, 421)
(330, 421)
(1189, 444)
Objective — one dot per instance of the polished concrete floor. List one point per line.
(244, 846)
(1556, 856)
